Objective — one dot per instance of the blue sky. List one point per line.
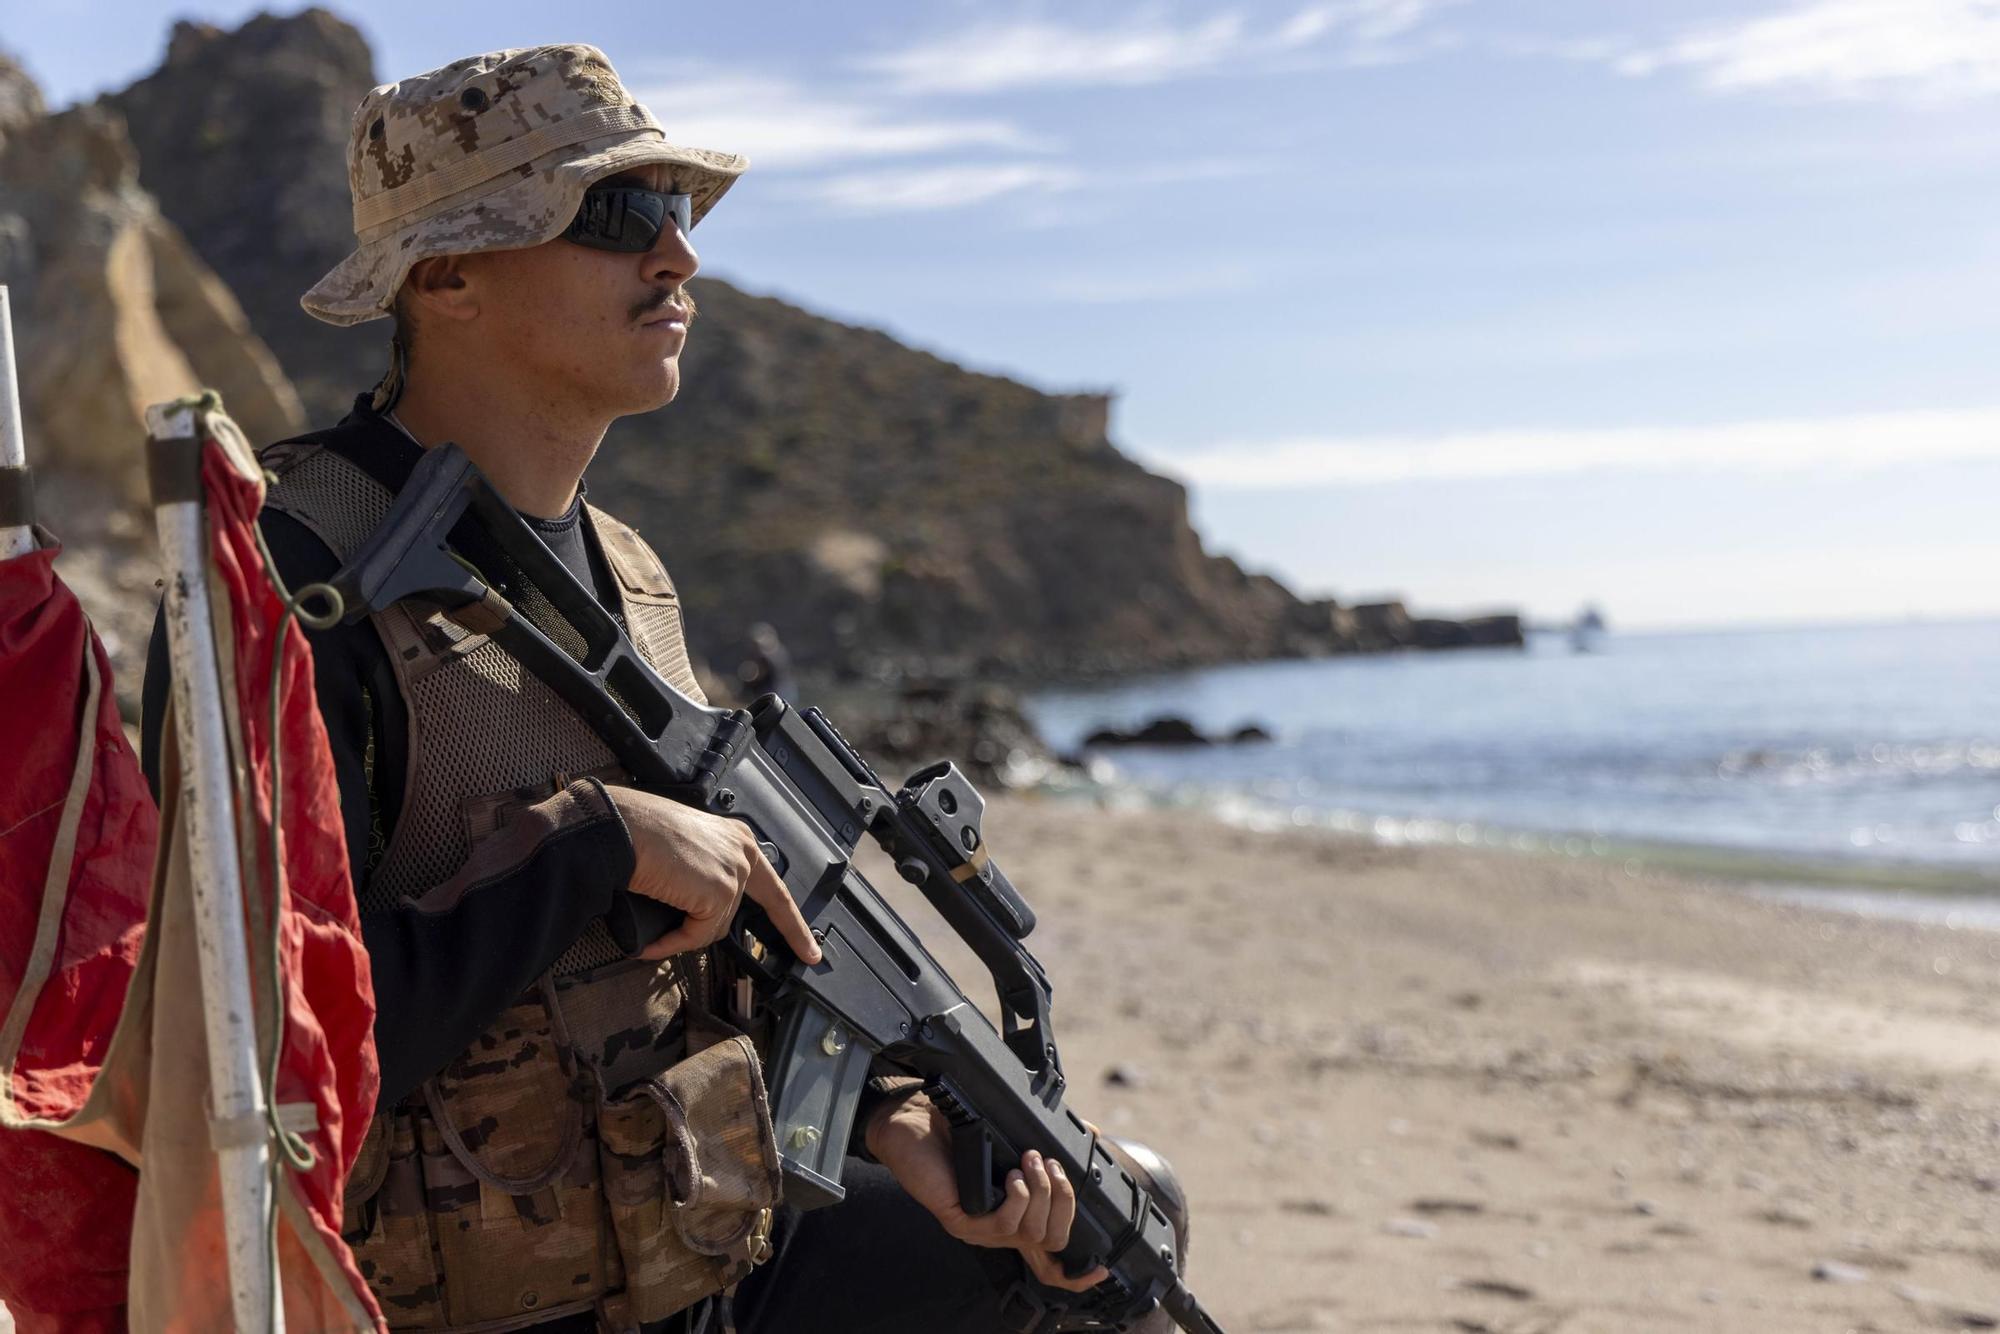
(1689, 309)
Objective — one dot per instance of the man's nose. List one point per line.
(672, 258)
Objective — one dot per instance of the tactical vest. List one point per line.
(606, 1144)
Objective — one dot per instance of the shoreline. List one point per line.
(1910, 890)
(1434, 1088)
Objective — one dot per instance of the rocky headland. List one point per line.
(896, 517)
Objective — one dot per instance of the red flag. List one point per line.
(66, 1211)
(112, 1048)
(327, 1060)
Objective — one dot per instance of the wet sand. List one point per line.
(1434, 1089)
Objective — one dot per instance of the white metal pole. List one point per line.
(236, 1088)
(15, 539)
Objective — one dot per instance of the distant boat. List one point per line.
(1585, 630)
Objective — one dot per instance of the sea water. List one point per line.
(1860, 757)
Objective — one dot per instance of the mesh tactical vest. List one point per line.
(606, 1144)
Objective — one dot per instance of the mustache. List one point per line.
(662, 296)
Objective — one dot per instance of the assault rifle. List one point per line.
(810, 797)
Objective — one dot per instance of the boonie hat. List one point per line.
(491, 153)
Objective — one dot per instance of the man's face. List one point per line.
(598, 330)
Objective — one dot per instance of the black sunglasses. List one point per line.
(627, 218)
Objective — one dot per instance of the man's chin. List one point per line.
(656, 394)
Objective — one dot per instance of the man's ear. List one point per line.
(438, 285)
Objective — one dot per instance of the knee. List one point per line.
(1153, 1172)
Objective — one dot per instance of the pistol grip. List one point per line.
(636, 921)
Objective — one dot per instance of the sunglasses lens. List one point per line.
(643, 215)
(628, 219)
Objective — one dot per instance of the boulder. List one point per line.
(242, 137)
(1431, 632)
(1383, 625)
(1500, 631)
(981, 727)
(1322, 625)
(20, 100)
(1503, 631)
(1159, 732)
(112, 311)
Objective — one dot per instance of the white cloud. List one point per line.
(1882, 440)
(930, 189)
(1922, 50)
(992, 58)
(1584, 50)
(934, 187)
(1372, 20)
(777, 123)
(996, 57)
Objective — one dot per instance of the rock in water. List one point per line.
(1159, 732)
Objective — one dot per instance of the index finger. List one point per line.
(771, 894)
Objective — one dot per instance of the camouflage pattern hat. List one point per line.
(491, 153)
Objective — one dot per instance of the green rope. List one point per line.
(291, 1144)
(207, 401)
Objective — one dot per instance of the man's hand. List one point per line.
(913, 1140)
(703, 864)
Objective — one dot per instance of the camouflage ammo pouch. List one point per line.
(691, 1182)
(512, 1190)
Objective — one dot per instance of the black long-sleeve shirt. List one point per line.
(443, 965)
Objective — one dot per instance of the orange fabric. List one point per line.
(112, 1049)
(66, 1211)
(328, 1057)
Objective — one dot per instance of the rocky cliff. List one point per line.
(885, 509)
(862, 495)
(113, 310)
(242, 137)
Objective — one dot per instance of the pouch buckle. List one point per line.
(759, 1243)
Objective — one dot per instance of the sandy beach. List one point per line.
(1432, 1089)
(1475, 1091)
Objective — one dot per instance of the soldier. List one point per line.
(569, 1139)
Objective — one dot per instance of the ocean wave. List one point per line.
(1860, 763)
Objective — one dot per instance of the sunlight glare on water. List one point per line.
(1875, 744)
